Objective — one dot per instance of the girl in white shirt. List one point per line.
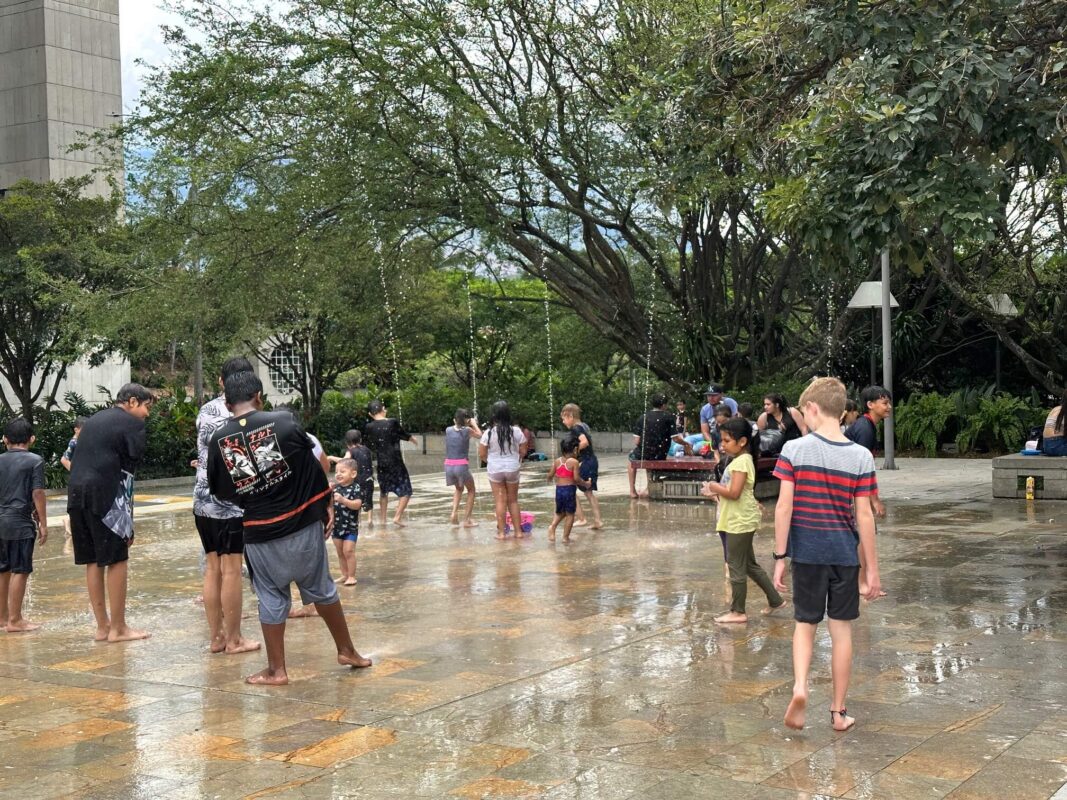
(502, 447)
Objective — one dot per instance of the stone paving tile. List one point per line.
(592, 671)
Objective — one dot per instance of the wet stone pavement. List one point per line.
(593, 670)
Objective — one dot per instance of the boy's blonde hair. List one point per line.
(828, 394)
(572, 410)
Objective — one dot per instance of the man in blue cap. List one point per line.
(707, 413)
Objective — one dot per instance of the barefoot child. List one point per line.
(457, 463)
(346, 505)
(739, 517)
(565, 472)
(263, 462)
(23, 518)
(502, 448)
(824, 509)
(361, 454)
(571, 416)
(383, 436)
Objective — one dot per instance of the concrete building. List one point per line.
(60, 77)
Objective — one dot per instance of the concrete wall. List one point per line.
(60, 77)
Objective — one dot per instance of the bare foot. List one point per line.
(566, 538)
(399, 522)
(303, 611)
(771, 609)
(469, 523)
(551, 534)
(126, 634)
(453, 521)
(242, 645)
(634, 496)
(840, 720)
(596, 526)
(349, 582)
(268, 678)
(22, 626)
(794, 715)
(581, 523)
(355, 660)
(502, 536)
(732, 617)
(217, 645)
(101, 634)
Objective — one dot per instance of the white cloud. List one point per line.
(141, 38)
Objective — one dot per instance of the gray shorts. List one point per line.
(297, 558)
(458, 475)
(511, 477)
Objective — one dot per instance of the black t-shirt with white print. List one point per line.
(264, 463)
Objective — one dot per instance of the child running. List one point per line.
(824, 509)
(346, 503)
(457, 463)
(739, 517)
(23, 518)
(565, 472)
(571, 417)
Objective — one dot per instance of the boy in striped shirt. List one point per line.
(822, 520)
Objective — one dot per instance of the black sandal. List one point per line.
(844, 713)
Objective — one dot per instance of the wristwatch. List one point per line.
(778, 556)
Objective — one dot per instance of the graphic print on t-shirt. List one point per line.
(267, 454)
(234, 451)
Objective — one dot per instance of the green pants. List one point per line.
(741, 559)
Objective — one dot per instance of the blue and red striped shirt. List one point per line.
(827, 476)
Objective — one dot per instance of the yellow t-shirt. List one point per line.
(741, 515)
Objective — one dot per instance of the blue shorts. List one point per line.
(345, 536)
(566, 499)
(588, 470)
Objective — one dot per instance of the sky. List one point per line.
(141, 38)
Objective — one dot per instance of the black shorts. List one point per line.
(366, 494)
(223, 537)
(16, 555)
(824, 589)
(394, 479)
(589, 470)
(94, 542)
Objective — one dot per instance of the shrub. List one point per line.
(922, 420)
(999, 422)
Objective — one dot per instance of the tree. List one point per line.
(63, 256)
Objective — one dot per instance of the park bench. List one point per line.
(1049, 474)
(680, 478)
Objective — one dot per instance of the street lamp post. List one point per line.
(1003, 307)
(876, 294)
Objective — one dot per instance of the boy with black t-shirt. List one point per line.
(383, 436)
(264, 463)
(653, 434)
(100, 505)
(23, 518)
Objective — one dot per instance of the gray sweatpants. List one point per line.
(297, 558)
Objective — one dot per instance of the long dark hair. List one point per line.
(740, 428)
(783, 406)
(1062, 418)
(500, 421)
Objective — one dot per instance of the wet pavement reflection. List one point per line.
(594, 670)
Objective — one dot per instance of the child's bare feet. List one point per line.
(353, 659)
(21, 626)
(469, 523)
(840, 720)
(303, 611)
(453, 521)
(242, 645)
(399, 522)
(566, 538)
(217, 645)
(349, 582)
(581, 523)
(126, 634)
(551, 534)
(101, 634)
(732, 617)
(771, 609)
(268, 678)
(596, 526)
(794, 715)
(502, 536)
